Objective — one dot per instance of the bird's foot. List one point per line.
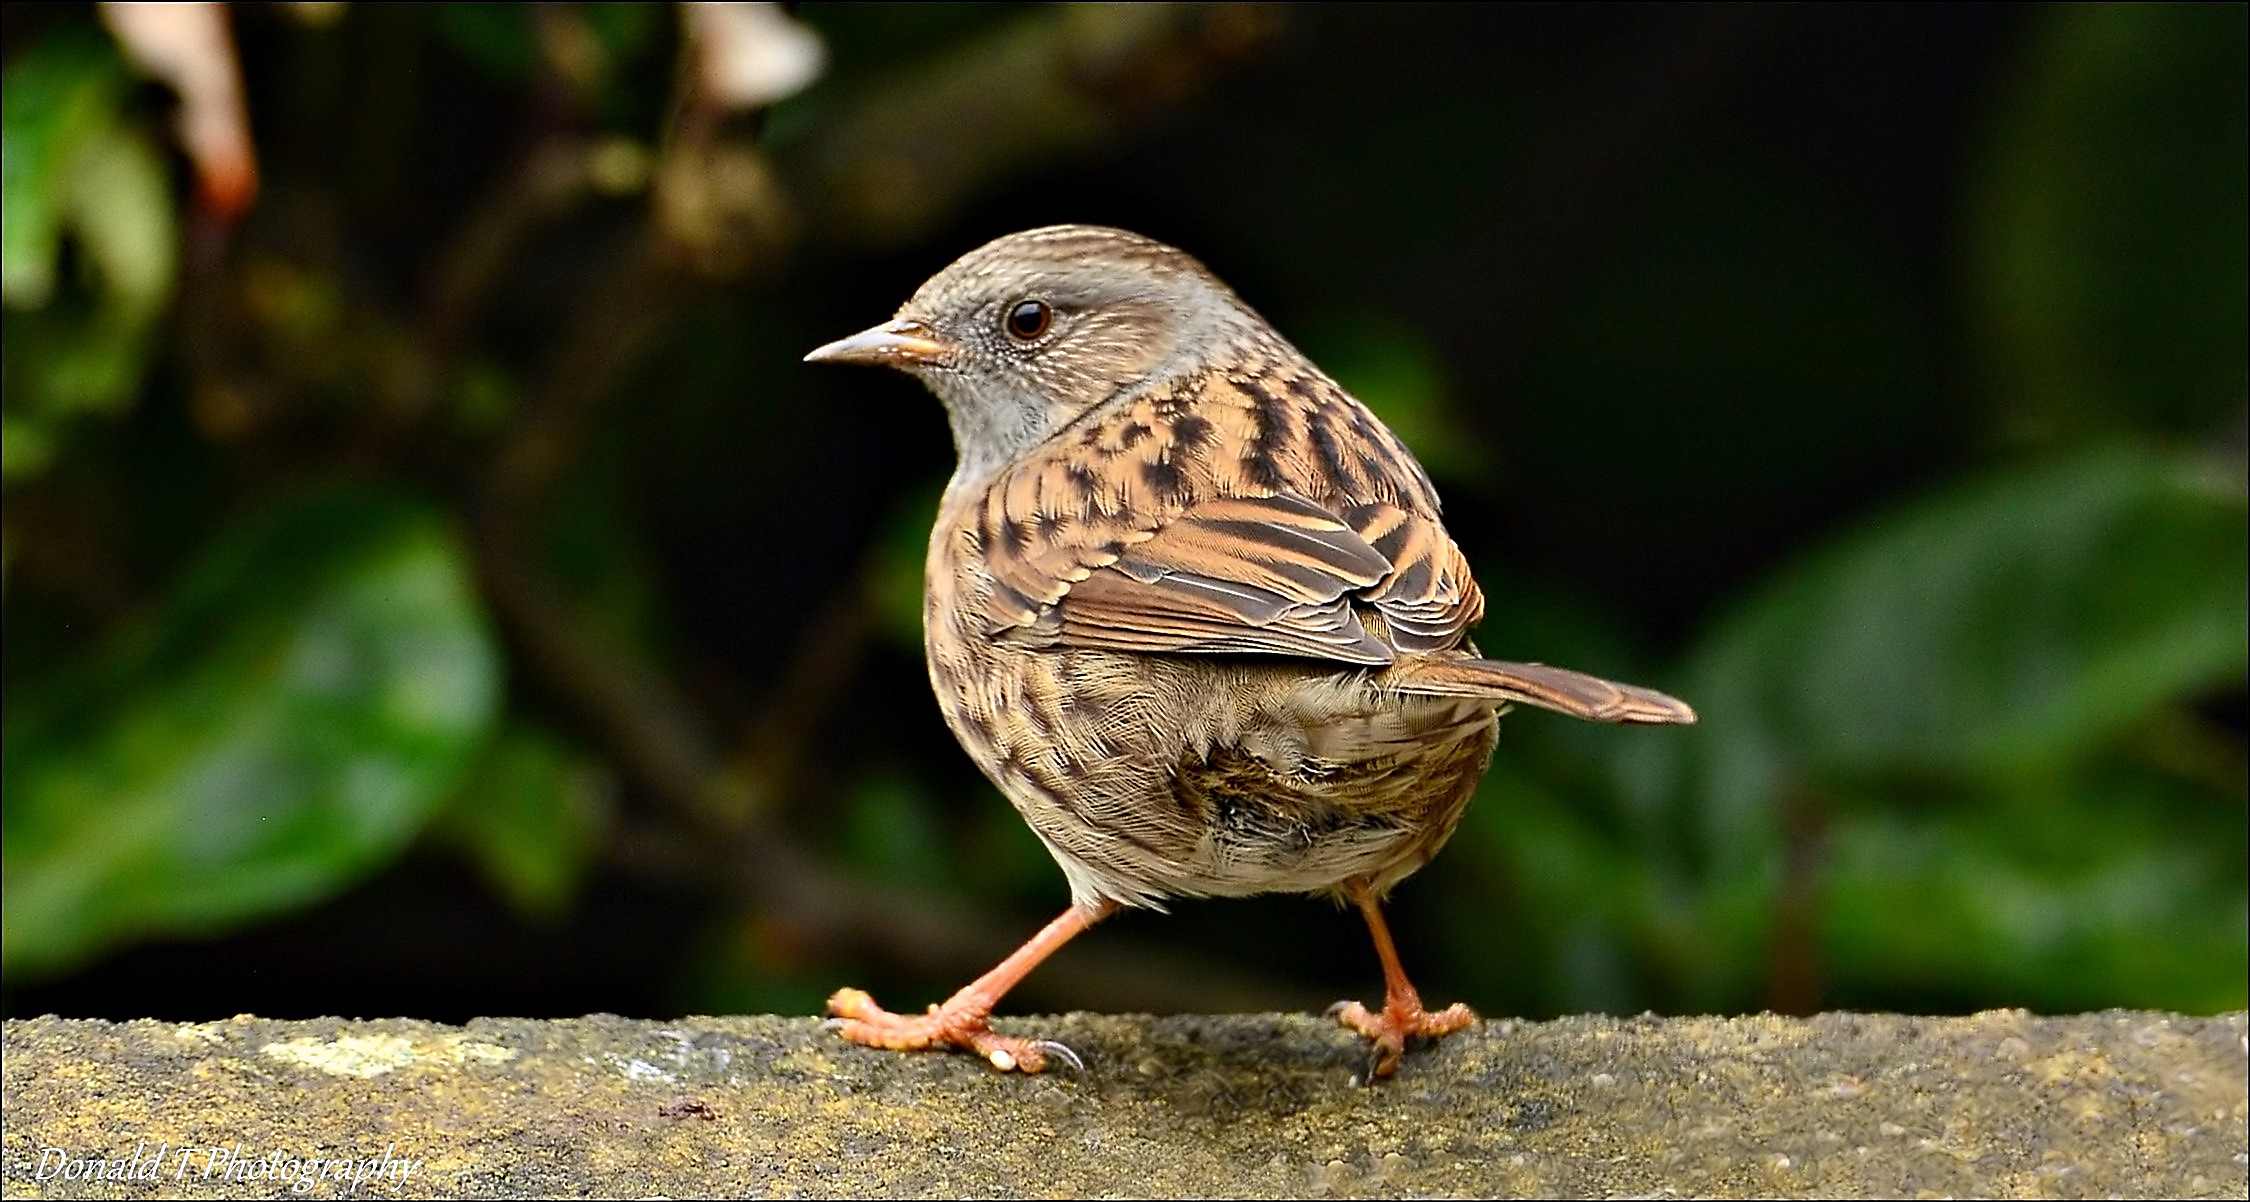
(855, 1016)
(1388, 1029)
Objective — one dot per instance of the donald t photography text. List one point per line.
(232, 1164)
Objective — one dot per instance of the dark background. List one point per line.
(435, 587)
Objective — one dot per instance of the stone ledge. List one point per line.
(2003, 1103)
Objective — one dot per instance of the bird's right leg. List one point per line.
(1402, 1016)
(964, 1020)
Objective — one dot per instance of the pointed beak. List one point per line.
(902, 343)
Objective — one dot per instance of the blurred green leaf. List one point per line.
(293, 714)
(890, 828)
(27, 445)
(120, 204)
(85, 352)
(496, 37)
(59, 95)
(2110, 888)
(76, 168)
(531, 816)
(2014, 620)
(2107, 245)
(1996, 631)
(1985, 644)
(485, 396)
(1576, 896)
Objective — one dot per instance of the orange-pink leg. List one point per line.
(964, 1020)
(1402, 1015)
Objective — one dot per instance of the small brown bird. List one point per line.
(1190, 606)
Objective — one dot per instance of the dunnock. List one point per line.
(1190, 606)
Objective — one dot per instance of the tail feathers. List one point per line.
(1557, 689)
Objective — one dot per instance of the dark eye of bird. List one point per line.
(1028, 320)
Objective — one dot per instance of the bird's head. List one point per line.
(1024, 334)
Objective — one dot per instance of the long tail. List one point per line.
(1557, 689)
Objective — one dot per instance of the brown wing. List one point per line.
(1235, 574)
(1259, 515)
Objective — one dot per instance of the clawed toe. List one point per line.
(856, 1017)
(1388, 1030)
(1062, 1052)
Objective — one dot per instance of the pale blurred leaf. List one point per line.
(748, 55)
(77, 171)
(120, 204)
(55, 98)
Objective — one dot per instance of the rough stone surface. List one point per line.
(2003, 1103)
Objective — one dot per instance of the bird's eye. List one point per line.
(1028, 320)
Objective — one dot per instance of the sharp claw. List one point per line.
(1061, 1052)
(1335, 1008)
(1368, 1075)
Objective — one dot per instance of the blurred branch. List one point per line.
(652, 732)
(549, 181)
(1794, 978)
(896, 163)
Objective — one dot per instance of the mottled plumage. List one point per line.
(1190, 605)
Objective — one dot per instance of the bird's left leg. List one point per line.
(964, 1020)
(1402, 1015)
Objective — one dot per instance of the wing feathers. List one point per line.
(1202, 522)
(1240, 575)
